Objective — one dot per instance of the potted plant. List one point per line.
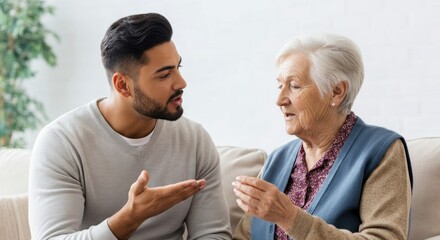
(22, 40)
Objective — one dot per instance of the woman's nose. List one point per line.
(283, 98)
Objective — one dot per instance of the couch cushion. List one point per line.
(434, 238)
(235, 161)
(425, 206)
(14, 168)
(14, 217)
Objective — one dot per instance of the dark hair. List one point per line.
(126, 40)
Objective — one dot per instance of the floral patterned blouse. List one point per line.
(303, 185)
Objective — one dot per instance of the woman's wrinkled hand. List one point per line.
(263, 200)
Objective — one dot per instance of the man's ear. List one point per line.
(122, 84)
(339, 92)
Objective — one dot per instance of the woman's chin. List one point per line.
(291, 131)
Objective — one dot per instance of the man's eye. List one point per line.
(165, 76)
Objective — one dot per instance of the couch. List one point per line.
(425, 213)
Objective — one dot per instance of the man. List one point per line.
(134, 141)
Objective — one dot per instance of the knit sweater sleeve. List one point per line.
(56, 200)
(384, 207)
(208, 217)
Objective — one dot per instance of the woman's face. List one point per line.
(305, 112)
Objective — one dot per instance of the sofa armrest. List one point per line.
(14, 171)
(236, 161)
(425, 204)
(14, 217)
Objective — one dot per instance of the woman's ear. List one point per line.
(339, 92)
(121, 84)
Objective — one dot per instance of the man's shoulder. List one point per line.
(185, 120)
(183, 130)
(73, 119)
(183, 123)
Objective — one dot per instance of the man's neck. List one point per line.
(124, 120)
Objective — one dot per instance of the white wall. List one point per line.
(228, 49)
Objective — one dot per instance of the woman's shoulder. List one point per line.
(283, 154)
(287, 147)
(368, 132)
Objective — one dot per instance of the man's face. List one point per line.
(158, 88)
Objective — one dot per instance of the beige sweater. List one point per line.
(384, 207)
(81, 171)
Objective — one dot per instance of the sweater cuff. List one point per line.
(301, 226)
(102, 231)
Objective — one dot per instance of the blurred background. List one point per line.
(228, 49)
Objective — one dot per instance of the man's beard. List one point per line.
(149, 107)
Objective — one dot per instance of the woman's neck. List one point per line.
(319, 141)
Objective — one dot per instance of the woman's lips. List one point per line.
(288, 116)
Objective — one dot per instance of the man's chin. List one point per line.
(172, 116)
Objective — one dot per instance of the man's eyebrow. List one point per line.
(164, 68)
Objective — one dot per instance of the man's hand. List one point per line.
(263, 200)
(144, 202)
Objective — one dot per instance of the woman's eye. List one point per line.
(292, 86)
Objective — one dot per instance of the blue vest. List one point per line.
(337, 201)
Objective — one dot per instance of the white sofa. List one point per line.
(425, 215)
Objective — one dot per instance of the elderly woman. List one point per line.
(342, 179)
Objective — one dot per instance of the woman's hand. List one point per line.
(263, 200)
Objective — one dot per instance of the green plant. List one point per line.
(22, 39)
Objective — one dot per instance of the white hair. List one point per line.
(333, 59)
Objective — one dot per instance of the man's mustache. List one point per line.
(175, 94)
